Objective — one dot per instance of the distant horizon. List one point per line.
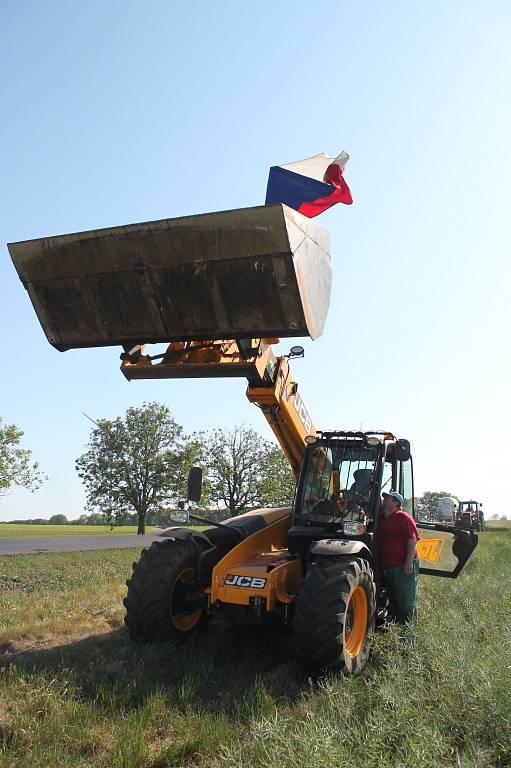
(30, 521)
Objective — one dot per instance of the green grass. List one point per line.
(75, 692)
(18, 530)
(494, 524)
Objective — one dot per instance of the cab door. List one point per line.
(443, 549)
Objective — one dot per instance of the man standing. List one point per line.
(397, 551)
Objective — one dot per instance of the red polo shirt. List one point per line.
(393, 533)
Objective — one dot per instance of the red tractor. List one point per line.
(470, 516)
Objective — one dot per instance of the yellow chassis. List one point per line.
(259, 567)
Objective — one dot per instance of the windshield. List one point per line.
(339, 482)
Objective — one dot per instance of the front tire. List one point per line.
(335, 614)
(155, 605)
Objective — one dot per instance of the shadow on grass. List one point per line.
(221, 670)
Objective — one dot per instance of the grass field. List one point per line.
(75, 692)
(18, 530)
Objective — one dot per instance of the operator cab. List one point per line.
(342, 477)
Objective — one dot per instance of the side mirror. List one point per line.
(194, 484)
(402, 450)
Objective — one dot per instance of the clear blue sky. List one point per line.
(123, 112)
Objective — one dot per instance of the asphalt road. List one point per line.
(20, 546)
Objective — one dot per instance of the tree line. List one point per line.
(135, 468)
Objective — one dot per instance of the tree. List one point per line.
(15, 462)
(96, 518)
(426, 506)
(58, 520)
(278, 483)
(244, 471)
(136, 463)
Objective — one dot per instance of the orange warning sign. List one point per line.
(430, 549)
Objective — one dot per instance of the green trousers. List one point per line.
(402, 591)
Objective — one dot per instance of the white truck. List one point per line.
(447, 508)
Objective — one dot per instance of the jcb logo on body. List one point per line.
(302, 413)
(231, 580)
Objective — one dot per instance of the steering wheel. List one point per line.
(341, 499)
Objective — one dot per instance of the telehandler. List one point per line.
(219, 290)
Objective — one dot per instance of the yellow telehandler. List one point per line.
(219, 290)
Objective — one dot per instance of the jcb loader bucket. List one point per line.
(247, 273)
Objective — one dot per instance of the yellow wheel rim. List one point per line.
(356, 622)
(182, 621)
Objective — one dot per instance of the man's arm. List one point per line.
(411, 554)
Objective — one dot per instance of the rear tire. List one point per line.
(335, 614)
(155, 605)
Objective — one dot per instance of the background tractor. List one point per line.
(470, 516)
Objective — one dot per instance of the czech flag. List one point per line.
(309, 186)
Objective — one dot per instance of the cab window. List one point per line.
(406, 485)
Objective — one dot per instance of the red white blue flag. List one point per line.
(310, 186)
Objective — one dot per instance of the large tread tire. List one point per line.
(329, 609)
(154, 609)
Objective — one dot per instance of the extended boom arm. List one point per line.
(230, 277)
(270, 384)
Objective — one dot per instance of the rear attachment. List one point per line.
(241, 274)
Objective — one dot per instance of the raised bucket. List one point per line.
(247, 273)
